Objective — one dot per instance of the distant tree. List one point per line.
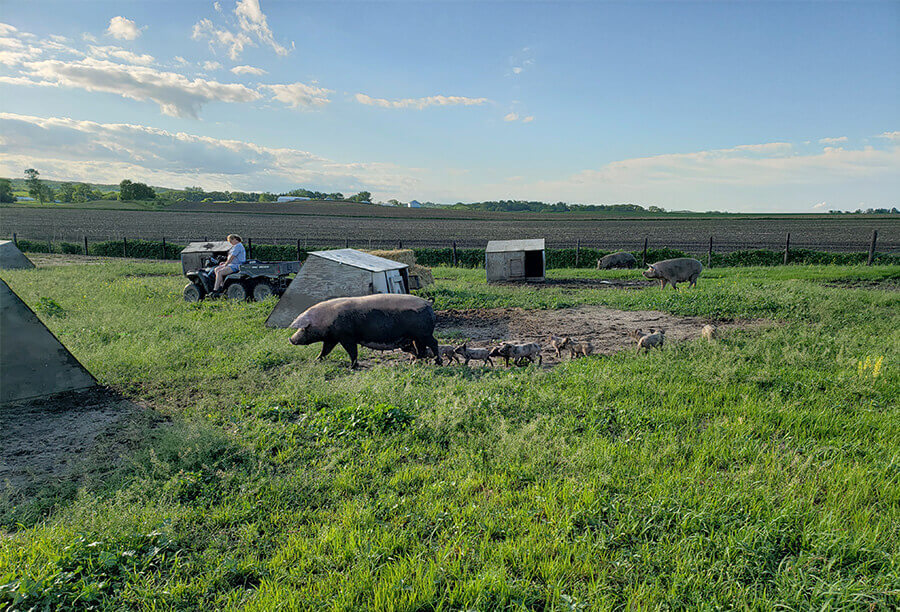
(66, 192)
(47, 193)
(394, 202)
(135, 191)
(83, 193)
(6, 192)
(362, 196)
(268, 197)
(34, 184)
(336, 196)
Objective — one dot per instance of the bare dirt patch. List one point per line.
(607, 329)
(47, 260)
(43, 439)
(885, 284)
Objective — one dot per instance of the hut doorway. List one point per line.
(534, 264)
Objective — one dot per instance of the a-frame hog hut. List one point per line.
(11, 258)
(338, 273)
(33, 363)
(515, 260)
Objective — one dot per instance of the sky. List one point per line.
(739, 106)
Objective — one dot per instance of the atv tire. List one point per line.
(262, 290)
(193, 292)
(236, 292)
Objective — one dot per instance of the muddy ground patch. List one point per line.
(606, 329)
(43, 440)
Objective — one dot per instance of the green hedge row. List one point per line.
(466, 258)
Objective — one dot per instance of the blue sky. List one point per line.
(755, 106)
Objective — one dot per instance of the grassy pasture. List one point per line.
(758, 472)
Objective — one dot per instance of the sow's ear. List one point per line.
(299, 323)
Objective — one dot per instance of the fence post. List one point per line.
(124, 246)
(346, 243)
(709, 254)
(787, 248)
(370, 244)
(49, 246)
(15, 240)
(298, 249)
(164, 248)
(399, 244)
(454, 253)
(85, 246)
(577, 251)
(249, 248)
(872, 248)
(644, 256)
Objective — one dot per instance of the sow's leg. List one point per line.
(431, 343)
(327, 347)
(350, 347)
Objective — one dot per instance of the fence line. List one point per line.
(450, 252)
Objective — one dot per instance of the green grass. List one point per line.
(758, 472)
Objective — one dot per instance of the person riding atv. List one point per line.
(236, 256)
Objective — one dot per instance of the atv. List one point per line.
(256, 280)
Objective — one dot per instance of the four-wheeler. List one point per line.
(255, 280)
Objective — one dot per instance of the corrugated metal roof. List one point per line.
(207, 247)
(505, 246)
(358, 259)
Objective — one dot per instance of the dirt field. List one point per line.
(426, 227)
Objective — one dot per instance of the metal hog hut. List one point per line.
(515, 260)
(338, 273)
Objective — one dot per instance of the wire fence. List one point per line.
(470, 253)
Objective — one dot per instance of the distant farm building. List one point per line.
(515, 260)
(338, 273)
(414, 204)
(293, 199)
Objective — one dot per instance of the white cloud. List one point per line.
(69, 149)
(837, 140)
(13, 58)
(252, 20)
(233, 41)
(212, 65)
(248, 70)
(89, 37)
(892, 136)
(299, 95)
(175, 94)
(513, 116)
(517, 70)
(6, 29)
(180, 60)
(770, 176)
(820, 205)
(123, 29)
(420, 103)
(111, 52)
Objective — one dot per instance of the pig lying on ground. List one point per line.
(557, 344)
(577, 349)
(483, 354)
(616, 260)
(518, 352)
(709, 332)
(445, 350)
(381, 321)
(682, 269)
(648, 341)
